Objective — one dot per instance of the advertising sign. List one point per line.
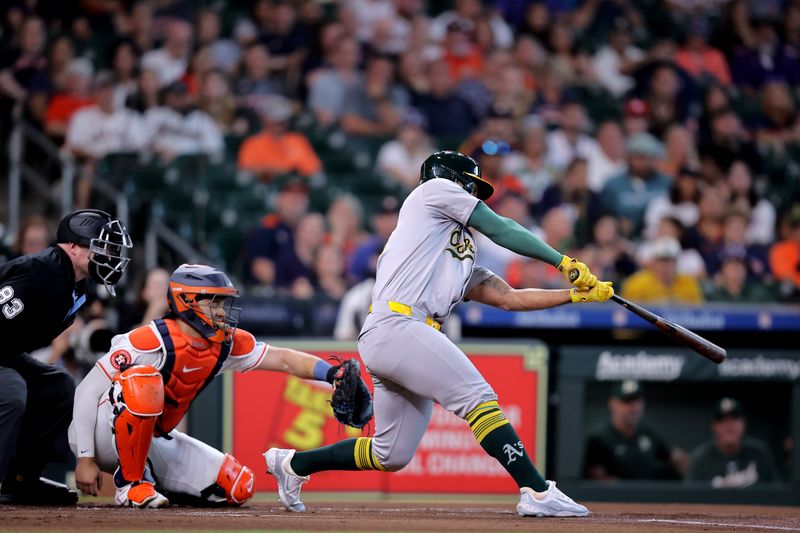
(274, 409)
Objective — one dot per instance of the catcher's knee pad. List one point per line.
(235, 480)
(485, 418)
(138, 398)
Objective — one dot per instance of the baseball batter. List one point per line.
(426, 268)
(127, 407)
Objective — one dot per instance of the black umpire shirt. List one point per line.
(39, 299)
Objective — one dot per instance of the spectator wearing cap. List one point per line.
(733, 283)
(448, 114)
(177, 128)
(364, 260)
(171, 60)
(376, 105)
(635, 116)
(614, 62)
(608, 159)
(660, 282)
(76, 95)
(401, 158)
(328, 85)
(100, 129)
(275, 150)
(731, 459)
(628, 194)
(462, 54)
(266, 242)
(689, 261)
(625, 447)
(570, 140)
(679, 202)
(784, 256)
(705, 63)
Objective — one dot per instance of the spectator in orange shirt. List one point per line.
(659, 281)
(461, 54)
(784, 257)
(275, 150)
(78, 77)
(699, 59)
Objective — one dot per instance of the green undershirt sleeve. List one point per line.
(511, 235)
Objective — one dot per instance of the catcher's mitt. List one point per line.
(351, 400)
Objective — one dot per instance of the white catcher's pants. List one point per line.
(182, 464)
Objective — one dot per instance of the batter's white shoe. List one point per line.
(551, 502)
(289, 483)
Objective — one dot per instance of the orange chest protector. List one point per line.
(190, 365)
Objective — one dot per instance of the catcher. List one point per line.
(127, 407)
(426, 268)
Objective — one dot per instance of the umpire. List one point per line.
(40, 295)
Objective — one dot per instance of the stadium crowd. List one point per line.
(657, 140)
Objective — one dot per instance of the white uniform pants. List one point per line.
(181, 464)
(413, 365)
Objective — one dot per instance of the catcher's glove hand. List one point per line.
(351, 400)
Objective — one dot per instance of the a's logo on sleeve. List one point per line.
(121, 359)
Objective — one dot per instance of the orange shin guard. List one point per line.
(236, 480)
(138, 396)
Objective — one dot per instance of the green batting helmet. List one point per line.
(457, 167)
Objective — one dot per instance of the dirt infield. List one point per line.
(390, 516)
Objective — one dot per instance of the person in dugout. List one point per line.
(128, 406)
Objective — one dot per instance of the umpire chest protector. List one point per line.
(190, 365)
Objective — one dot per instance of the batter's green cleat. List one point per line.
(551, 502)
(289, 483)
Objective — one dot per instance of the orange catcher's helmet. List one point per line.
(204, 298)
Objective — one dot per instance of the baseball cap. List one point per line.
(689, 171)
(666, 248)
(644, 144)
(389, 206)
(627, 390)
(294, 185)
(728, 407)
(636, 107)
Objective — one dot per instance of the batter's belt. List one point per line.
(403, 309)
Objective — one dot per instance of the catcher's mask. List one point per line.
(204, 298)
(457, 167)
(107, 240)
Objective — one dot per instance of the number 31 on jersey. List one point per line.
(11, 306)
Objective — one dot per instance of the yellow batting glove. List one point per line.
(599, 293)
(577, 273)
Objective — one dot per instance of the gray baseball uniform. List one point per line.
(426, 268)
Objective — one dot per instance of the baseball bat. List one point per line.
(677, 332)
